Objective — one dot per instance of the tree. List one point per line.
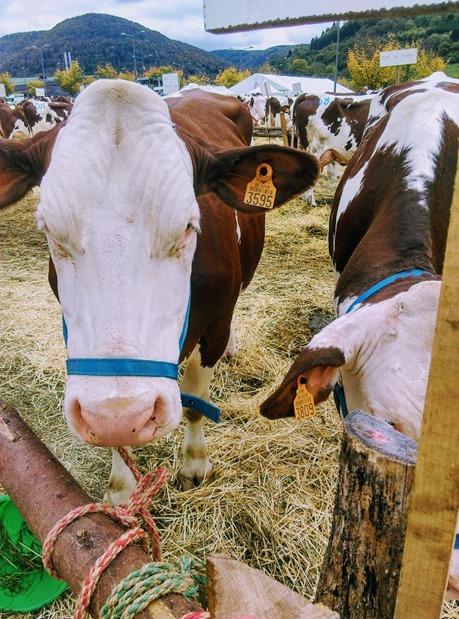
(299, 66)
(5, 79)
(106, 71)
(127, 75)
(198, 79)
(363, 64)
(231, 76)
(32, 86)
(70, 79)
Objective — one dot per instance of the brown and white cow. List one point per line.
(387, 239)
(33, 116)
(274, 107)
(131, 244)
(329, 127)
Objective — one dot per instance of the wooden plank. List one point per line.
(434, 505)
(237, 591)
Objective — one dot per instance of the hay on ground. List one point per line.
(271, 502)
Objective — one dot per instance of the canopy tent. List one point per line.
(287, 85)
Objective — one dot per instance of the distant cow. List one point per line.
(387, 239)
(330, 128)
(132, 247)
(274, 107)
(33, 116)
(257, 107)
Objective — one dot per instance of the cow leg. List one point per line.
(308, 197)
(121, 482)
(196, 466)
(231, 347)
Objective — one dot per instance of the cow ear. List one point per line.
(319, 366)
(231, 174)
(23, 164)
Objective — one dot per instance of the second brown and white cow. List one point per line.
(149, 207)
(387, 240)
(329, 127)
(32, 116)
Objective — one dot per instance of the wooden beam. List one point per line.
(44, 491)
(434, 504)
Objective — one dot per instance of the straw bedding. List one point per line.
(271, 503)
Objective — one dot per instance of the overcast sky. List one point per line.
(181, 20)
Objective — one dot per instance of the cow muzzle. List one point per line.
(103, 413)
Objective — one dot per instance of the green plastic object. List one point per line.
(25, 585)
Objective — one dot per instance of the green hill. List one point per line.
(437, 33)
(94, 39)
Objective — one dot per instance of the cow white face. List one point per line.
(119, 211)
(387, 349)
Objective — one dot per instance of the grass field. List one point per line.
(271, 502)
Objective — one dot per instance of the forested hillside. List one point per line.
(436, 33)
(95, 39)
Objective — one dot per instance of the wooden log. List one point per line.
(434, 508)
(44, 491)
(361, 567)
(237, 591)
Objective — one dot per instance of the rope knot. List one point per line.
(130, 515)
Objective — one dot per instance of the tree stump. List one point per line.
(361, 568)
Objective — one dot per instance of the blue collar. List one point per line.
(338, 390)
(108, 366)
(385, 282)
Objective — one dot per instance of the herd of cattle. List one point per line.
(154, 210)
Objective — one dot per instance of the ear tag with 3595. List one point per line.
(303, 404)
(261, 191)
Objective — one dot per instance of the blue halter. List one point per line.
(108, 366)
(338, 390)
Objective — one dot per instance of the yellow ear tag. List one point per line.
(303, 403)
(261, 191)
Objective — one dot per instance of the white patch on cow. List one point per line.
(402, 133)
(390, 339)
(116, 204)
(351, 189)
(238, 229)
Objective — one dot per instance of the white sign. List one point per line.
(2, 90)
(398, 56)
(39, 92)
(170, 83)
(296, 86)
(240, 15)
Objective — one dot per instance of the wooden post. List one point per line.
(361, 567)
(434, 508)
(44, 492)
(283, 122)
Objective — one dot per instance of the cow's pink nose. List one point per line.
(128, 429)
(125, 426)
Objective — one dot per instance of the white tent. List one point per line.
(286, 85)
(220, 90)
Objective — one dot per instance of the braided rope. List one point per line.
(151, 581)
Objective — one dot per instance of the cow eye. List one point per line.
(189, 233)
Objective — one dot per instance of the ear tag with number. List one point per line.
(261, 191)
(303, 403)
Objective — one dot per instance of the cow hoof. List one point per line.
(188, 482)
